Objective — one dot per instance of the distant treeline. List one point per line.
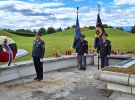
(51, 30)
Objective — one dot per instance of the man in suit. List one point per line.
(104, 48)
(81, 53)
(38, 51)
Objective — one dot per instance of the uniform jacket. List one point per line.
(38, 48)
(104, 48)
(83, 48)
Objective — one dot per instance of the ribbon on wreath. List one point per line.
(8, 50)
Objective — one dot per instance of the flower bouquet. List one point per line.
(57, 54)
(8, 49)
(68, 52)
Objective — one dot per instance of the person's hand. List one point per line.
(108, 55)
(41, 59)
(32, 59)
(85, 54)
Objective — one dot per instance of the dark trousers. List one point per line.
(104, 62)
(82, 61)
(38, 66)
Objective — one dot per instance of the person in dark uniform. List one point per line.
(38, 51)
(81, 53)
(104, 48)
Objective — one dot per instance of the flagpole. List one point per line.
(98, 9)
(97, 48)
(77, 54)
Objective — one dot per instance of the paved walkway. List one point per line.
(63, 84)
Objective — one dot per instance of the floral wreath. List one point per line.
(8, 49)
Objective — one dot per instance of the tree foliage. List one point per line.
(58, 30)
(42, 31)
(91, 27)
(50, 30)
(133, 29)
(120, 28)
(105, 25)
(73, 26)
(110, 27)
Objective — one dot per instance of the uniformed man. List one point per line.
(81, 53)
(104, 49)
(38, 51)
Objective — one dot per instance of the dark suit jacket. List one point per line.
(83, 48)
(104, 48)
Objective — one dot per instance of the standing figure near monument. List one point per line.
(104, 48)
(81, 52)
(38, 51)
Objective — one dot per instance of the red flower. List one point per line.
(4, 57)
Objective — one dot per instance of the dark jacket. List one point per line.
(104, 48)
(83, 48)
(38, 48)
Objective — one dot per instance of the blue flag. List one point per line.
(99, 31)
(77, 36)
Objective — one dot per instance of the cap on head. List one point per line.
(38, 34)
(104, 34)
(82, 35)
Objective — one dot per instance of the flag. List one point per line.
(77, 36)
(99, 31)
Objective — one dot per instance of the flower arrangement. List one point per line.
(8, 48)
(68, 52)
(57, 54)
(118, 52)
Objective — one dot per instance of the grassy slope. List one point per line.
(63, 41)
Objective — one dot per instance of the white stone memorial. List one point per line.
(26, 68)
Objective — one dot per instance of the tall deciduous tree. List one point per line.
(50, 30)
(120, 28)
(105, 25)
(68, 27)
(133, 29)
(59, 29)
(34, 31)
(42, 31)
(73, 26)
(91, 27)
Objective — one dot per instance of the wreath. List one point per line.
(8, 49)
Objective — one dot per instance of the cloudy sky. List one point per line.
(33, 14)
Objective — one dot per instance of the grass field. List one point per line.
(63, 40)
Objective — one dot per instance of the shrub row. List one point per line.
(23, 34)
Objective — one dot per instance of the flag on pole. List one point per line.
(77, 36)
(99, 31)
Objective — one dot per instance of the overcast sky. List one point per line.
(33, 14)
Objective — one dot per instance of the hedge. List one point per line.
(23, 34)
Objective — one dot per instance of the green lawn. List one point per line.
(63, 40)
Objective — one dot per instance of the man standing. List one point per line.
(38, 51)
(81, 51)
(104, 48)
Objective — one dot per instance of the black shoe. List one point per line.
(84, 68)
(40, 79)
(36, 78)
(80, 68)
